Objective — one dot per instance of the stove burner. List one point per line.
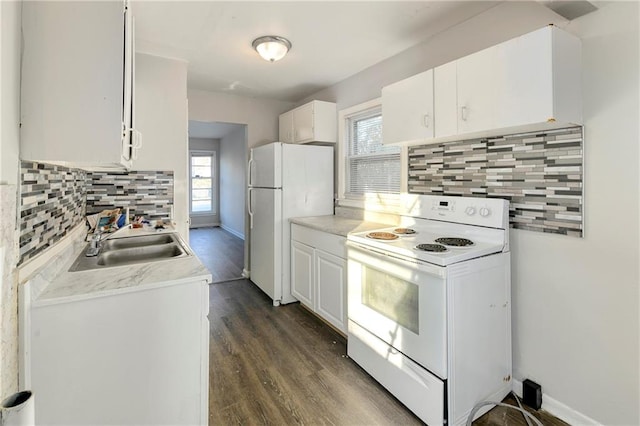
(404, 231)
(454, 242)
(382, 236)
(436, 248)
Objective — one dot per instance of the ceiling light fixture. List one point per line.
(271, 48)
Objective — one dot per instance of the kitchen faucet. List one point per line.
(96, 240)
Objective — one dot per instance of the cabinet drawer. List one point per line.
(331, 243)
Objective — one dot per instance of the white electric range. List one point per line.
(429, 306)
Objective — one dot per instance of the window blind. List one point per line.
(371, 166)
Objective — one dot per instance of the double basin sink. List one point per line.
(132, 250)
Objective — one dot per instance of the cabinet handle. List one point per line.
(426, 120)
(463, 113)
(137, 144)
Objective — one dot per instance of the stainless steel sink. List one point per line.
(132, 250)
(139, 241)
(130, 256)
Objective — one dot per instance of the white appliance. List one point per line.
(285, 181)
(434, 327)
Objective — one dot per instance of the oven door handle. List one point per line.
(423, 267)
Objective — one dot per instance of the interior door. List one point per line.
(266, 241)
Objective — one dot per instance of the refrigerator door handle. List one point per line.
(249, 207)
(249, 170)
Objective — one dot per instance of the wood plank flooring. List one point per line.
(220, 251)
(283, 366)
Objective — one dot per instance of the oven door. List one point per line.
(401, 302)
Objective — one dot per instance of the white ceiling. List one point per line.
(331, 40)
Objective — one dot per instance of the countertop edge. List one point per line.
(337, 225)
(206, 278)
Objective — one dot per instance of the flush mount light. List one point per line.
(271, 48)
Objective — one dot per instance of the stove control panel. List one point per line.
(444, 206)
(487, 212)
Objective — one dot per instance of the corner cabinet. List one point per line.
(407, 109)
(315, 121)
(78, 84)
(318, 274)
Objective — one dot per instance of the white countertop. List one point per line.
(337, 225)
(56, 284)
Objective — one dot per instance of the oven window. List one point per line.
(392, 297)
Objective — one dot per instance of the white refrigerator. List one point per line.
(285, 181)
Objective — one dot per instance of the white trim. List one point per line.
(343, 115)
(214, 181)
(558, 409)
(232, 231)
(204, 225)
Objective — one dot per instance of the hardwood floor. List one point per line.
(220, 251)
(283, 366)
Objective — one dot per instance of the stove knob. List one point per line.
(484, 212)
(470, 210)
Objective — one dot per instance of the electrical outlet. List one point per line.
(532, 394)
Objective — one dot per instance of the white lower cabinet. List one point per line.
(132, 358)
(318, 274)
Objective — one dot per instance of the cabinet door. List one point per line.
(445, 97)
(477, 82)
(523, 68)
(332, 289)
(407, 109)
(302, 273)
(303, 123)
(286, 127)
(72, 83)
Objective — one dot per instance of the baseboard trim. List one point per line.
(204, 225)
(232, 231)
(558, 409)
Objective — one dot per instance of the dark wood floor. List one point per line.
(282, 366)
(220, 251)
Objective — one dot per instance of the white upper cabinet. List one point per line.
(77, 84)
(315, 121)
(286, 127)
(407, 109)
(526, 84)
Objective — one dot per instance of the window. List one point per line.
(202, 182)
(371, 167)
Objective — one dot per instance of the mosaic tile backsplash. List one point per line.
(52, 202)
(146, 193)
(541, 174)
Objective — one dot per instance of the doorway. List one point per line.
(217, 192)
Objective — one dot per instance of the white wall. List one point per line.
(575, 301)
(10, 18)
(233, 164)
(260, 116)
(208, 145)
(161, 116)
